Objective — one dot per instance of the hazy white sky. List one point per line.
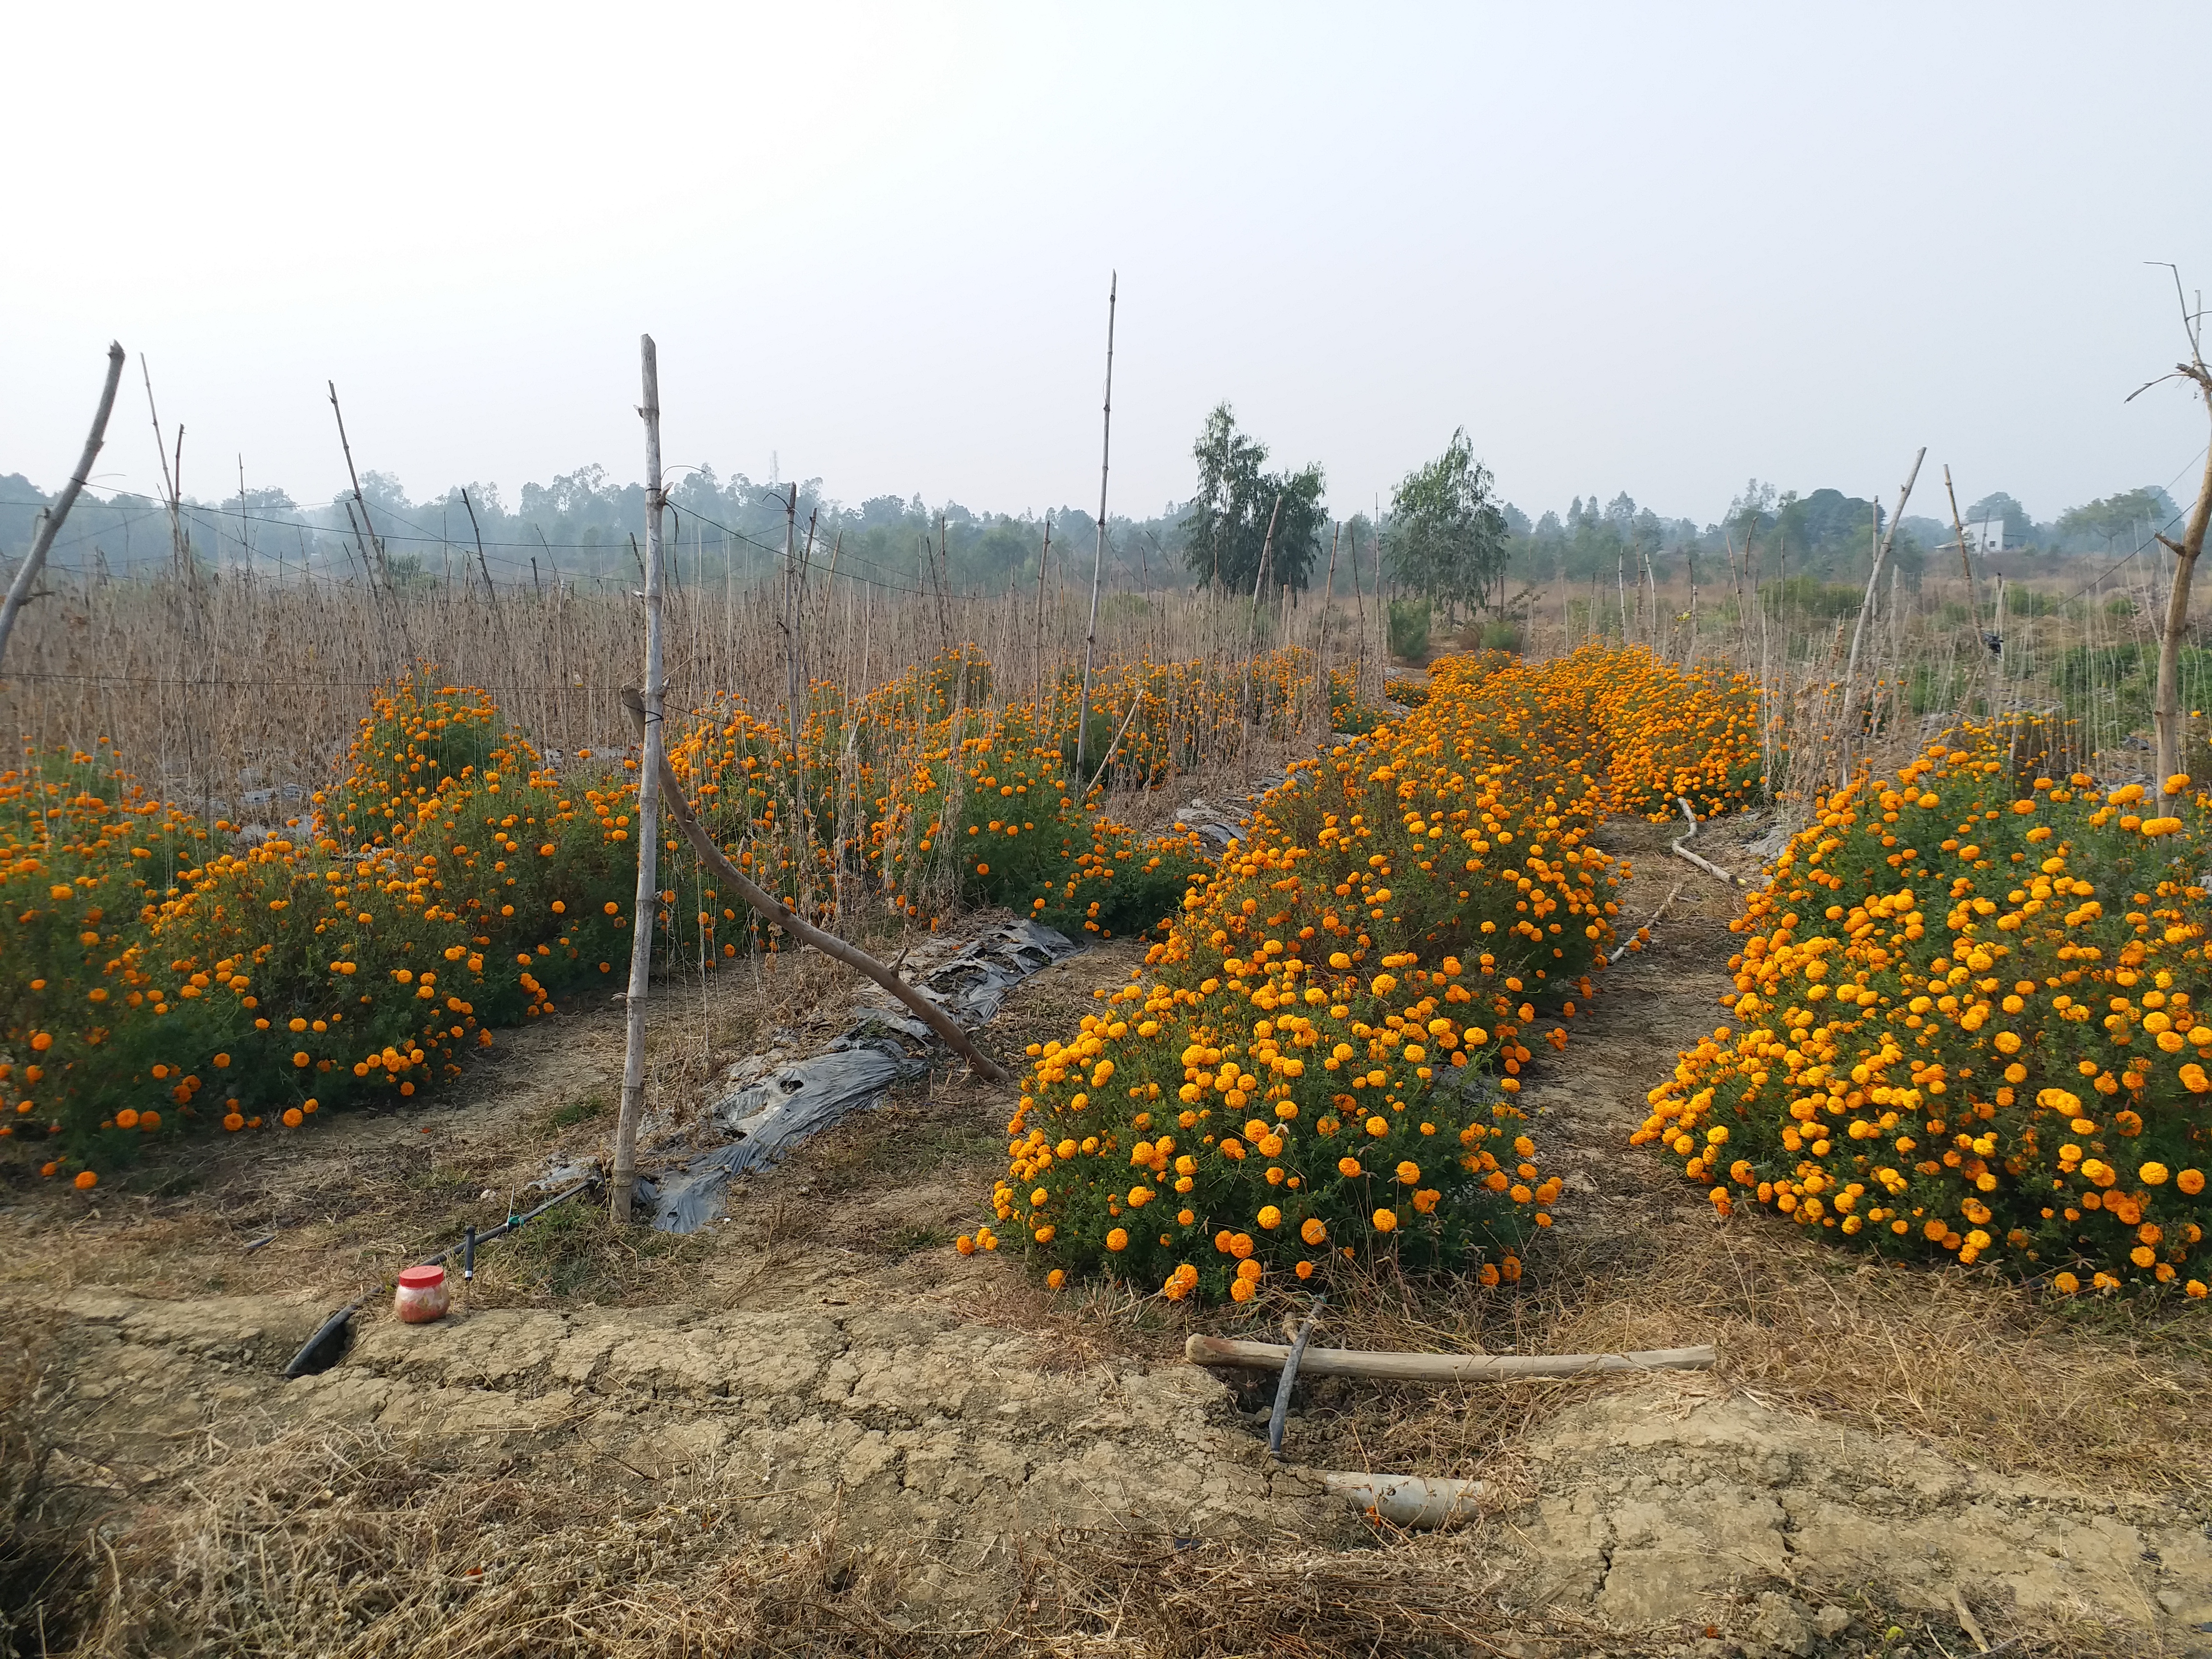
(1646, 248)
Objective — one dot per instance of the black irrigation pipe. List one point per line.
(321, 1351)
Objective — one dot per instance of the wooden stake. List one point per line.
(169, 480)
(1044, 558)
(646, 903)
(1849, 730)
(1098, 558)
(50, 520)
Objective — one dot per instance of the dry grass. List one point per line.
(361, 1547)
(236, 684)
(1982, 1369)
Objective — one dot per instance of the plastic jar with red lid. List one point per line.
(421, 1295)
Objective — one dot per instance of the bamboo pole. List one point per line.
(1858, 630)
(1098, 557)
(1439, 1367)
(646, 901)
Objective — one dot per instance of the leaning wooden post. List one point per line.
(777, 914)
(648, 900)
(2165, 706)
(1098, 557)
(49, 521)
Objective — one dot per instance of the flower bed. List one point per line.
(1968, 1028)
(1320, 1059)
(159, 972)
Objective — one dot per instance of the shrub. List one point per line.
(1409, 629)
(1347, 715)
(1969, 1028)
(1498, 636)
(1309, 1073)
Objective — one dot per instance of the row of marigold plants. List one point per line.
(1319, 1064)
(162, 972)
(1970, 1025)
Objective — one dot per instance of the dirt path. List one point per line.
(1878, 1446)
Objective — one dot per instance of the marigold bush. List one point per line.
(1969, 1013)
(1307, 1070)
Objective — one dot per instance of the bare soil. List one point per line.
(815, 1427)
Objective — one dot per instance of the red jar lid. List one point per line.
(421, 1279)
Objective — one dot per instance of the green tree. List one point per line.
(1447, 538)
(2116, 521)
(1226, 532)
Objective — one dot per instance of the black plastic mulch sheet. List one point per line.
(881, 1047)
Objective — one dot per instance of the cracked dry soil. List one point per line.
(824, 1358)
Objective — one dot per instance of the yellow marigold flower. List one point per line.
(964, 1244)
(1056, 1278)
(1118, 1239)
(1348, 1167)
(1409, 1172)
(1385, 1220)
(1270, 1217)
(2193, 1078)
(2065, 1284)
(1314, 1230)
(2154, 1174)
(1240, 1245)
(2190, 1181)
(1378, 1125)
(1242, 1290)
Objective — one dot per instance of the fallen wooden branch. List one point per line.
(1439, 1367)
(1644, 927)
(1682, 852)
(781, 914)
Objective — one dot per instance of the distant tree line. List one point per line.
(1245, 526)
